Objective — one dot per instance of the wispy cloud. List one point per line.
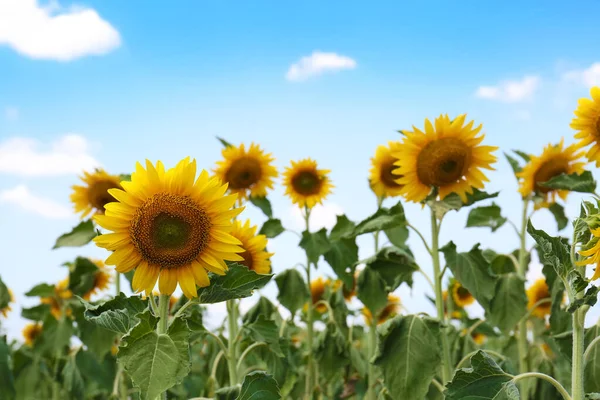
(27, 157)
(21, 197)
(11, 113)
(318, 63)
(53, 33)
(588, 77)
(510, 91)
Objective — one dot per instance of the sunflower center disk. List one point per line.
(443, 161)
(463, 293)
(98, 194)
(243, 173)
(170, 230)
(307, 183)
(549, 170)
(248, 261)
(387, 176)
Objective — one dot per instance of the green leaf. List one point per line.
(371, 290)
(118, 314)
(224, 142)
(237, 283)
(409, 355)
(343, 256)
(552, 250)
(514, 164)
(37, 313)
(263, 307)
(590, 298)
(263, 330)
(526, 157)
(592, 396)
(499, 263)
(82, 275)
(97, 339)
(4, 295)
(484, 380)
(7, 382)
(383, 219)
(583, 183)
(395, 265)
(79, 236)
(41, 290)
(454, 202)
(592, 362)
(559, 215)
(343, 228)
(56, 335)
(264, 204)
(73, 382)
(315, 244)
(293, 290)
(473, 271)
(155, 362)
(332, 352)
(488, 216)
(259, 385)
(509, 303)
(397, 236)
(272, 228)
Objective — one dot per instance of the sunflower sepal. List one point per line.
(582, 183)
(79, 236)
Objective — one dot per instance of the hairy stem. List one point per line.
(232, 328)
(547, 378)
(522, 326)
(310, 368)
(577, 388)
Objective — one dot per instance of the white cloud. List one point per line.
(21, 197)
(510, 91)
(11, 113)
(53, 33)
(321, 216)
(318, 63)
(588, 77)
(67, 155)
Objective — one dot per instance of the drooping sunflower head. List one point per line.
(446, 156)
(591, 252)
(102, 280)
(31, 332)
(171, 227)
(248, 172)
(536, 292)
(587, 125)
(554, 160)
(461, 296)
(305, 184)
(381, 177)
(4, 311)
(93, 195)
(57, 302)
(391, 309)
(350, 292)
(255, 253)
(318, 288)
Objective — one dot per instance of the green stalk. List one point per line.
(372, 348)
(118, 283)
(310, 374)
(522, 327)
(232, 321)
(439, 300)
(163, 314)
(577, 388)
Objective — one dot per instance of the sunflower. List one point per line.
(102, 280)
(446, 156)
(93, 196)
(381, 177)
(167, 223)
(539, 291)
(456, 314)
(317, 293)
(555, 160)
(478, 338)
(462, 297)
(56, 302)
(591, 253)
(587, 125)
(4, 311)
(255, 252)
(305, 184)
(391, 309)
(31, 332)
(248, 172)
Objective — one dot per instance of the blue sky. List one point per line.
(127, 82)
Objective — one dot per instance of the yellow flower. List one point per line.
(591, 252)
(93, 196)
(248, 172)
(61, 293)
(587, 125)
(389, 311)
(31, 332)
(305, 184)
(317, 293)
(554, 160)
(255, 252)
(4, 311)
(539, 291)
(446, 156)
(381, 178)
(167, 223)
(462, 297)
(102, 280)
(478, 338)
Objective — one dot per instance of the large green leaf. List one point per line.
(7, 382)
(263, 307)
(509, 303)
(343, 228)
(592, 361)
(409, 355)
(484, 380)
(97, 339)
(155, 362)
(342, 257)
(315, 244)
(263, 204)
(82, 275)
(272, 228)
(395, 265)
(488, 216)
(80, 235)
(332, 352)
(37, 313)
(559, 215)
(371, 290)
(454, 202)
(553, 251)
(267, 331)
(73, 382)
(293, 291)
(397, 235)
(583, 183)
(56, 335)
(384, 218)
(237, 283)
(4, 295)
(118, 314)
(259, 385)
(473, 271)
(41, 290)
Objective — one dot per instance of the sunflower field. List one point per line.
(348, 335)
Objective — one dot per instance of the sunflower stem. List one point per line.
(547, 378)
(163, 313)
(231, 343)
(309, 384)
(522, 326)
(118, 283)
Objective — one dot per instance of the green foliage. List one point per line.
(272, 228)
(409, 355)
(79, 236)
(293, 291)
(454, 202)
(343, 228)
(224, 142)
(384, 218)
(82, 274)
(259, 385)
(37, 313)
(7, 382)
(583, 183)
(332, 352)
(267, 331)
(592, 362)
(118, 314)
(488, 216)
(73, 382)
(509, 303)
(559, 215)
(342, 257)
(397, 235)
(56, 335)
(371, 290)
(237, 283)
(553, 251)
(514, 164)
(263, 307)
(41, 290)
(315, 244)
(395, 265)
(263, 204)
(4, 295)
